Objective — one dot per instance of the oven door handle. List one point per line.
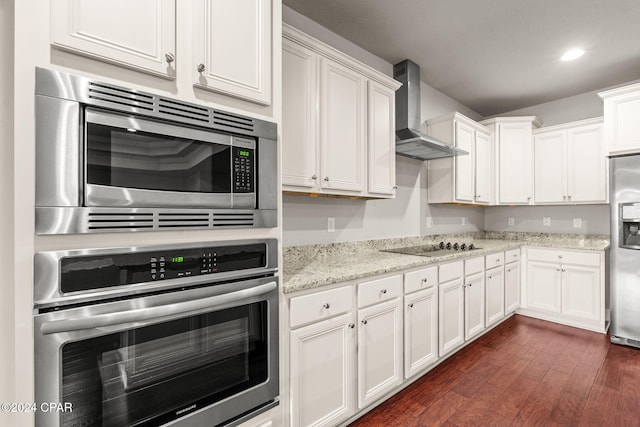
(151, 313)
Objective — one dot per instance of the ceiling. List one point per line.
(494, 56)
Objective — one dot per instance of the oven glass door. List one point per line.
(131, 161)
(168, 366)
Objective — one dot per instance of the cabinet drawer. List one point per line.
(379, 290)
(449, 272)
(494, 260)
(511, 256)
(473, 265)
(420, 279)
(587, 258)
(321, 305)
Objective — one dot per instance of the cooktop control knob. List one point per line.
(463, 247)
(449, 245)
(455, 246)
(441, 245)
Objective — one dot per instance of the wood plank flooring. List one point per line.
(525, 372)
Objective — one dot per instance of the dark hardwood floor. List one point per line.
(525, 372)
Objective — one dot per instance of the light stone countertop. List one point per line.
(315, 266)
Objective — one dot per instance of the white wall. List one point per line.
(305, 218)
(7, 335)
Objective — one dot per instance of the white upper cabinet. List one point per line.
(465, 178)
(570, 164)
(338, 134)
(342, 128)
(621, 119)
(139, 34)
(381, 139)
(233, 48)
(514, 158)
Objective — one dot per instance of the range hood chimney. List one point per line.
(410, 142)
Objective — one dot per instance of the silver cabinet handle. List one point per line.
(150, 313)
(395, 187)
(557, 268)
(351, 325)
(569, 197)
(528, 198)
(411, 305)
(326, 305)
(563, 270)
(314, 176)
(560, 256)
(364, 322)
(508, 270)
(384, 291)
(424, 280)
(201, 68)
(326, 178)
(170, 57)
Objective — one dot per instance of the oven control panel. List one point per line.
(81, 273)
(243, 170)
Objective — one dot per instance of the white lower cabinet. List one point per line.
(495, 293)
(473, 305)
(566, 287)
(380, 336)
(420, 330)
(322, 362)
(450, 308)
(511, 287)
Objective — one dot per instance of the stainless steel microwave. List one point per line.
(110, 158)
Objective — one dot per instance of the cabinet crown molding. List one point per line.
(569, 125)
(535, 120)
(623, 90)
(455, 115)
(332, 53)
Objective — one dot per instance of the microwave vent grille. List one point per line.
(147, 219)
(177, 110)
(221, 118)
(122, 97)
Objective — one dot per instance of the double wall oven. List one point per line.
(157, 335)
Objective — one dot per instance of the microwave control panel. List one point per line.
(243, 170)
(84, 273)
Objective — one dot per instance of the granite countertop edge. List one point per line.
(364, 260)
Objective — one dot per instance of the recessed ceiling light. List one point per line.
(572, 54)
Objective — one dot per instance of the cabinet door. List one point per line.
(382, 140)
(233, 48)
(323, 372)
(544, 286)
(512, 287)
(494, 295)
(299, 117)
(622, 126)
(483, 168)
(586, 171)
(450, 316)
(581, 292)
(474, 305)
(550, 164)
(514, 161)
(379, 350)
(465, 165)
(420, 330)
(342, 130)
(139, 34)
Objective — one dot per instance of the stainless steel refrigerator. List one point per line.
(624, 271)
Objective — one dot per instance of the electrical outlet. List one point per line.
(546, 221)
(511, 222)
(464, 220)
(331, 224)
(577, 222)
(429, 222)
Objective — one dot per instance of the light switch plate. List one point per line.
(429, 222)
(546, 221)
(331, 224)
(511, 222)
(577, 222)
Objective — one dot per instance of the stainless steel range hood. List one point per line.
(410, 142)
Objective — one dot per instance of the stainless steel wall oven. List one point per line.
(159, 335)
(110, 158)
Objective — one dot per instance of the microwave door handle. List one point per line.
(146, 314)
